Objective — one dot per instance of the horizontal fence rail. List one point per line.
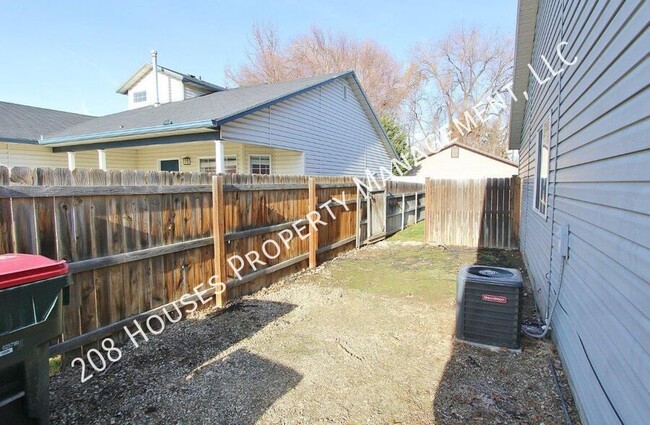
(139, 241)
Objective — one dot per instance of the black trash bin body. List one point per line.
(31, 304)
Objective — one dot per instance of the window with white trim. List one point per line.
(542, 167)
(209, 165)
(260, 164)
(139, 96)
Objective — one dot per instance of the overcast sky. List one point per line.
(73, 55)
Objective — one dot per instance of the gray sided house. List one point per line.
(320, 125)
(584, 140)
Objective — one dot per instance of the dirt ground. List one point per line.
(365, 338)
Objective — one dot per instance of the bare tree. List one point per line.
(460, 75)
(386, 81)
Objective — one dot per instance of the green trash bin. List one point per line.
(31, 303)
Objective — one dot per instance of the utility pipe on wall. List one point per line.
(154, 62)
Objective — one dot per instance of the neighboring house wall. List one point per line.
(25, 155)
(328, 124)
(599, 184)
(169, 90)
(468, 165)
(282, 161)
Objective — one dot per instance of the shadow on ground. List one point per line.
(483, 386)
(186, 375)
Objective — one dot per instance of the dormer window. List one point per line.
(139, 96)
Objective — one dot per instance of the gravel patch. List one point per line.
(364, 338)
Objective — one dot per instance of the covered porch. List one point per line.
(184, 155)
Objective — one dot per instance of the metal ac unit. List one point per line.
(488, 306)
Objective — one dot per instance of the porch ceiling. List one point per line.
(137, 141)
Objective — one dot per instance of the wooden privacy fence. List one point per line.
(138, 241)
(480, 213)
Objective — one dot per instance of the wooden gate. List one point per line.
(385, 211)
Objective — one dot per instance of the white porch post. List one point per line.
(101, 153)
(72, 160)
(218, 156)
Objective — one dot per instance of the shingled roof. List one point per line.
(198, 114)
(208, 111)
(22, 123)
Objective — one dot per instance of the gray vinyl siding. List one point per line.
(190, 91)
(599, 184)
(334, 133)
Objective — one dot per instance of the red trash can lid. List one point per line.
(21, 269)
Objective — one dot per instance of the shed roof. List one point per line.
(475, 150)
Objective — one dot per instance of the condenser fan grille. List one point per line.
(489, 303)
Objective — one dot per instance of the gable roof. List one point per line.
(477, 151)
(27, 124)
(526, 23)
(185, 78)
(204, 113)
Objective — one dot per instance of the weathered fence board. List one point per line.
(137, 241)
(478, 213)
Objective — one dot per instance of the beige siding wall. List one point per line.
(282, 161)
(14, 154)
(468, 165)
(599, 185)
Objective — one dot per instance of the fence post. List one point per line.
(313, 233)
(403, 208)
(358, 219)
(417, 210)
(219, 226)
(427, 209)
(515, 187)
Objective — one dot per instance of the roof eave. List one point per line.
(134, 78)
(117, 135)
(203, 84)
(525, 37)
(20, 140)
(374, 118)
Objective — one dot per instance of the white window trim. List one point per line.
(543, 215)
(160, 160)
(260, 154)
(138, 92)
(238, 170)
(224, 161)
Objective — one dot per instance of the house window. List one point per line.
(260, 164)
(169, 165)
(230, 164)
(139, 96)
(454, 151)
(209, 165)
(541, 168)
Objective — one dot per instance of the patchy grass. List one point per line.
(364, 338)
(413, 233)
(55, 365)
